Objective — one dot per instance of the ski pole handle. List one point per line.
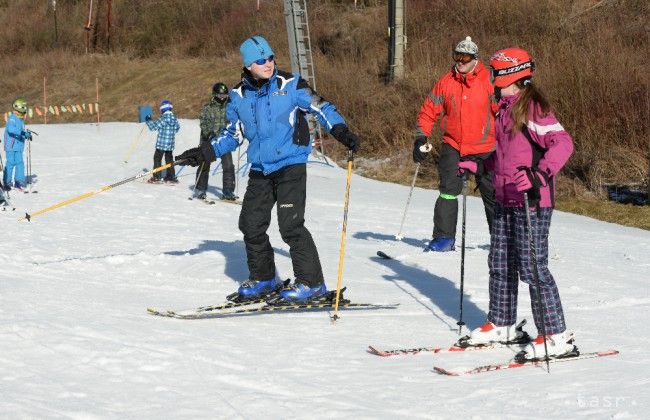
(30, 131)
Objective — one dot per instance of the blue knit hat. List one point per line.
(254, 48)
(166, 106)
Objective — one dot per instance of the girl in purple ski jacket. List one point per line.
(518, 147)
(531, 148)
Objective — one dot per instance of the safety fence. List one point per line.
(57, 110)
(52, 109)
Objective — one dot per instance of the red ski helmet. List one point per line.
(509, 65)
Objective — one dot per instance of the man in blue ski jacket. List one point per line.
(268, 108)
(14, 138)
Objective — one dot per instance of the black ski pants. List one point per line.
(288, 188)
(228, 167)
(170, 173)
(445, 215)
(203, 172)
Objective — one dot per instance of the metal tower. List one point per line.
(295, 13)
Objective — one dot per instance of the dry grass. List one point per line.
(592, 67)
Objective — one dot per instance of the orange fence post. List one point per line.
(44, 100)
(97, 103)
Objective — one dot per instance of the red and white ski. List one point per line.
(513, 364)
(452, 349)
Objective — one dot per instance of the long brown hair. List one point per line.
(529, 93)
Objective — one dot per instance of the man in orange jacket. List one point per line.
(463, 100)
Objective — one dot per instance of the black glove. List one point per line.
(198, 155)
(418, 155)
(344, 136)
(27, 135)
(147, 118)
(530, 178)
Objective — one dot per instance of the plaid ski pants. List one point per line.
(510, 260)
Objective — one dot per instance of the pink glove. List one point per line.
(467, 165)
(525, 179)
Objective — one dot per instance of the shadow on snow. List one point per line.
(382, 237)
(442, 292)
(234, 253)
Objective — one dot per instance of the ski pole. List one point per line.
(238, 175)
(196, 179)
(29, 217)
(29, 164)
(343, 233)
(134, 144)
(460, 322)
(533, 257)
(2, 171)
(408, 201)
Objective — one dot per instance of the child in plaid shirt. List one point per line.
(167, 126)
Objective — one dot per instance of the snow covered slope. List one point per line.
(76, 340)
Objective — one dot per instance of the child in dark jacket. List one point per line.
(167, 126)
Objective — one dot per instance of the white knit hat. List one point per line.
(467, 46)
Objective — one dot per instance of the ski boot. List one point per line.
(200, 195)
(441, 245)
(301, 293)
(229, 195)
(154, 180)
(559, 345)
(256, 290)
(489, 333)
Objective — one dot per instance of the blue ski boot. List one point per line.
(441, 245)
(256, 289)
(300, 292)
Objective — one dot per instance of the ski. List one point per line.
(382, 254)
(265, 307)
(452, 349)
(203, 200)
(231, 302)
(7, 204)
(238, 202)
(324, 302)
(461, 345)
(523, 363)
(203, 309)
(401, 257)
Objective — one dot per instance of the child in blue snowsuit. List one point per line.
(167, 126)
(15, 137)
